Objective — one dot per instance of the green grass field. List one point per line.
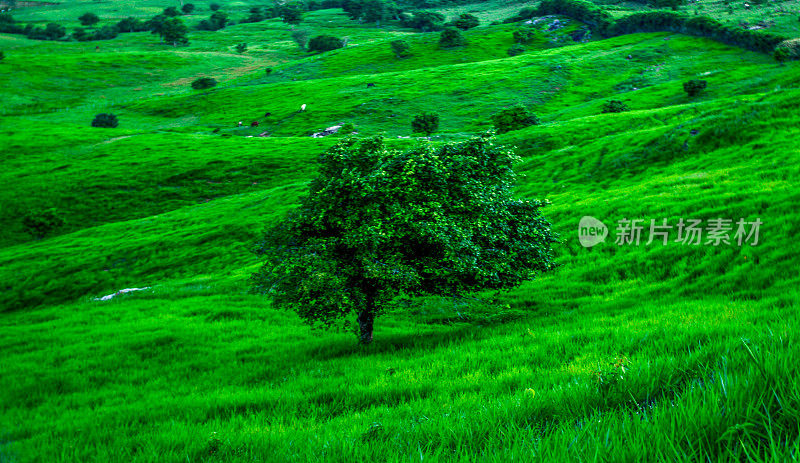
(624, 353)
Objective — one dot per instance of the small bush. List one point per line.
(782, 55)
(88, 19)
(187, 8)
(171, 12)
(426, 123)
(241, 48)
(347, 129)
(214, 6)
(466, 21)
(203, 83)
(694, 87)
(614, 106)
(451, 38)
(105, 120)
(300, 37)
(2, 56)
(400, 48)
(268, 71)
(42, 222)
(516, 49)
(323, 43)
(514, 118)
(524, 36)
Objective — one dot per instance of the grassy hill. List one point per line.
(669, 352)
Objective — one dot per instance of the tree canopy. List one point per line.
(378, 224)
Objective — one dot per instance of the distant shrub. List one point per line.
(256, 15)
(2, 56)
(214, 6)
(516, 49)
(202, 83)
(789, 49)
(781, 55)
(131, 24)
(301, 37)
(40, 223)
(105, 120)
(104, 33)
(218, 20)
(694, 87)
(614, 106)
(400, 48)
(514, 118)
(291, 13)
(425, 21)
(187, 8)
(268, 71)
(347, 129)
(466, 21)
(323, 43)
(171, 12)
(451, 38)
(524, 36)
(88, 19)
(426, 123)
(52, 31)
(241, 48)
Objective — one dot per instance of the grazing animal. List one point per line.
(240, 123)
(303, 107)
(370, 85)
(254, 124)
(267, 114)
(746, 6)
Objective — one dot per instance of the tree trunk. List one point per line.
(365, 322)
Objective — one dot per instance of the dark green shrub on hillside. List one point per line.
(781, 55)
(218, 20)
(174, 31)
(516, 49)
(171, 12)
(514, 118)
(2, 56)
(187, 8)
(425, 21)
(373, 11)
(256, 15)
(40, 223)
(524, 36)
(88, 19)
(466, 21)
(214, 6)
(300, 37)
(291, 13)
(614, 106)
(694, 87)
(451, 38)
(328, 262)
(426, 123)
(104, 33)
(202, 83)
(323, 43)
(241, 47)
(346, 129)
(52, 31)
(131, 25)
(400, 48)
(105, 120)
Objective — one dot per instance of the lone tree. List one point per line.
(466, 21)
(187, 8)
(451, 38)
(175, 31)
(88, 19)
(614, 106)
(323, 43)
(426, 123)
(378, 224)
(694, 87)
(105, 120)
(514, 118)
(400, 48)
